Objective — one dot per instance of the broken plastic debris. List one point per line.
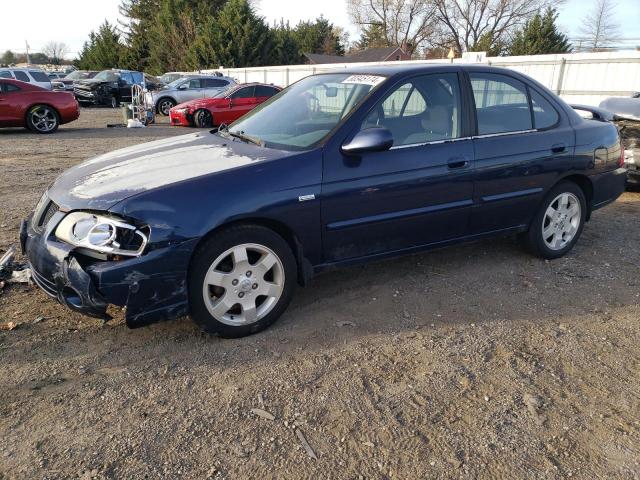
(262, 413)
(20, 276)
(305, 444)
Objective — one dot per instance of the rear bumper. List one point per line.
(608, 186)
(152, 287)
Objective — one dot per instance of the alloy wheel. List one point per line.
(561, 221)
(243, 284)
(165, 107)
(43, 119)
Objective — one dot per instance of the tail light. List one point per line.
(621, 161)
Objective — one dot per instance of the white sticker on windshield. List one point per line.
(364, 79)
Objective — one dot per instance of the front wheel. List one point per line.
(203, 119)
(559, 222)
(241, 280)
(43, 119)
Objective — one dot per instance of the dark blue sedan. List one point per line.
(339, 168)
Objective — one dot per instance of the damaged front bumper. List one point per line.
(151, 287)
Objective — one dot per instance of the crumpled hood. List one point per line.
(90, 83)
(199, 103)
(103, 181)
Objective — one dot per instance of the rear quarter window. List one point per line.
(39, 76)
(544, 115)
(20, 75)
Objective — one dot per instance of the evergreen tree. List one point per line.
(372, 36)
(139, 18)
(240, 37)
(103, 49)
(487, 43)
(318, 36)
(285, 49)
(8, 58)
(539, 36)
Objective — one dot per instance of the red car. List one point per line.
(42, 111)
(225, 107)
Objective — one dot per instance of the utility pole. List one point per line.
(28, 59)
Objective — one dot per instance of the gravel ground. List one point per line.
(478, 361)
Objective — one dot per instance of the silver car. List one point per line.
(31, 75)
(186, 89)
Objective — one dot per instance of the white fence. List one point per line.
(578, 78)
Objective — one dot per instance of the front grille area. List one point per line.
(45, 285)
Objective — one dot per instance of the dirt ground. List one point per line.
(477, 361)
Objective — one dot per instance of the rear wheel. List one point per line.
(164, 105)
(43, 119)
(559, 221)
(202, 118)
(241, 280)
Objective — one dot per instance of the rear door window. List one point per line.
(502, 104)
(20, 75)
(39, 76)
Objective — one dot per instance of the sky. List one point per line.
(41, 21)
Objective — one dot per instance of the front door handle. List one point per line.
(559, 148)
(457, 162)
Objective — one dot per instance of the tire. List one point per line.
(232, 294)
(114, 102)
(43, 119)
(557, 225)
(202, 119)
(164, 105)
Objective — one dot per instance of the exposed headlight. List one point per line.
(182, 110)
(102, 234)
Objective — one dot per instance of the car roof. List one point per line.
(402, 68)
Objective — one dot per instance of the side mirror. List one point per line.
(184, 86)
(376, 139)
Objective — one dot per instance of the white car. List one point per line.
(29, 75)
(188, 88)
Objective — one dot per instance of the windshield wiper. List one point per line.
(246, 138)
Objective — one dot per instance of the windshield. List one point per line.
(176, 83)
(107, 76)
(303, 115)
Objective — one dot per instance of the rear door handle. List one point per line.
(457, 162)
(559, 148)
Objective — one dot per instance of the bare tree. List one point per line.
(55, 51)
(405, 23)
(466, 24)
(599, 27)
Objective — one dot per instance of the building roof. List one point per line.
(369, 55)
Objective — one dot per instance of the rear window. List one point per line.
(20, 75)
(39, 76)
